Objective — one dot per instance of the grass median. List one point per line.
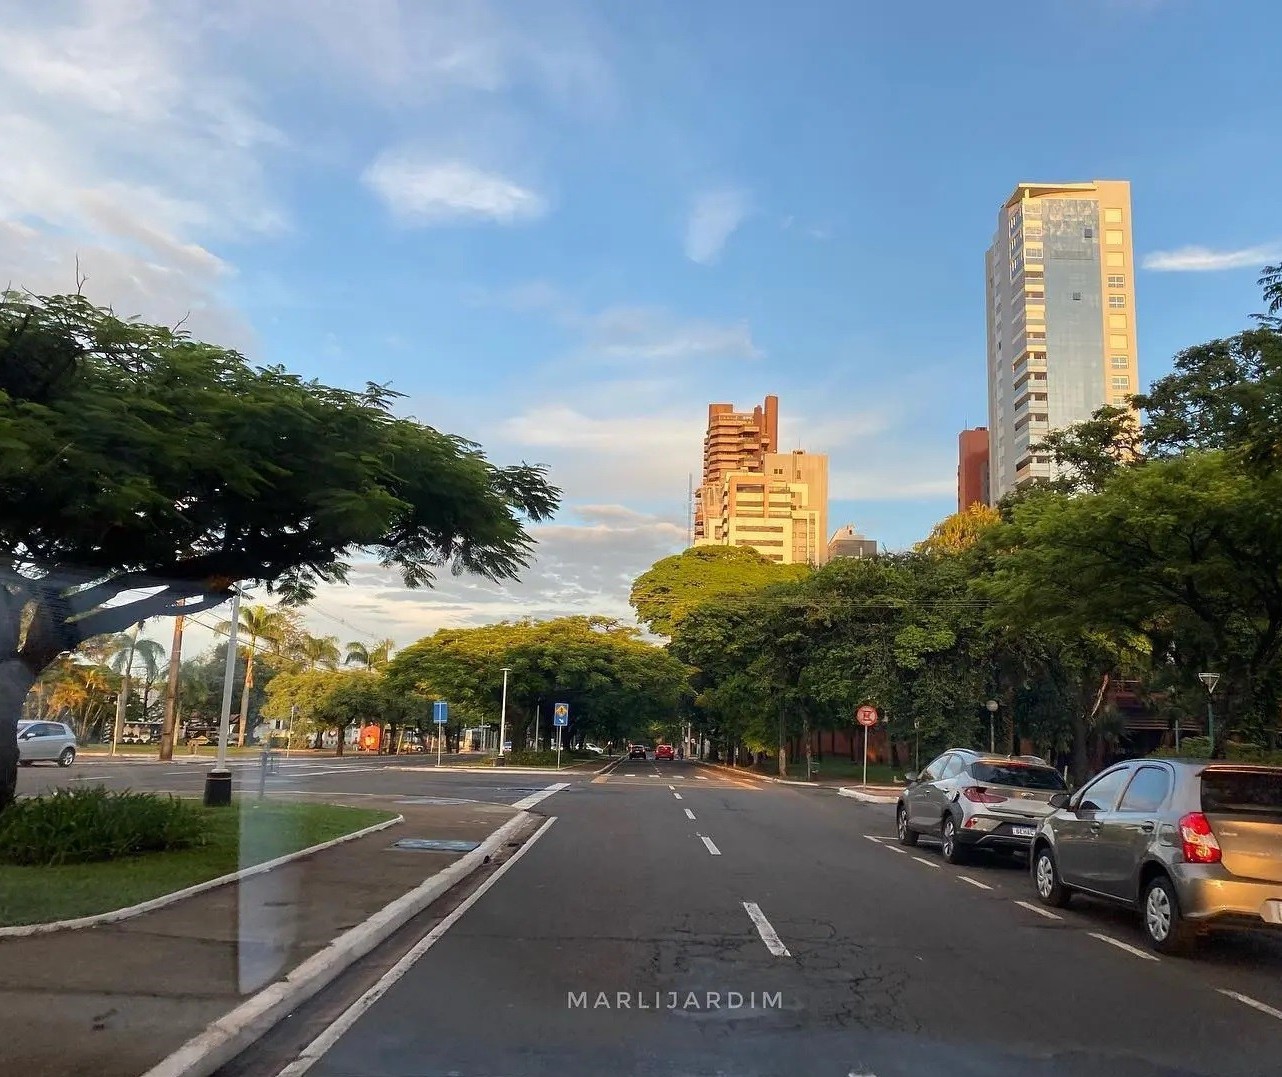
(247, 834)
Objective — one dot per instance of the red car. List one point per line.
(665, 751)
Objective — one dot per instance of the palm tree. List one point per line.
(256, 623)
(375, 657)
(320, 651)
(149, 658)
(120, 657)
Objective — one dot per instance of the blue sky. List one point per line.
(563, 228)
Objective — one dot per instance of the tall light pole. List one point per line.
(218, 780)
(1210, 680)
(503, 714)
(991, 706)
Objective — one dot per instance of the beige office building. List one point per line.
(1061, 319)
(780, 511)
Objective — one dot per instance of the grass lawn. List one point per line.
(246, 834)
(840, 767)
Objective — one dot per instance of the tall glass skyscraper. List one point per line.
(1061, 318)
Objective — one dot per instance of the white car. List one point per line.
(51, 742)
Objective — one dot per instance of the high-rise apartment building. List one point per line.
(1061, 318)
(972, 468)
(736, 441)
(781, 510)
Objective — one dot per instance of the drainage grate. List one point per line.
(436, 845)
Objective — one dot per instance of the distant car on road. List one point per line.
(51, 742)
(637, 751)
(665, 751)
(970, 800)
(1192, 845)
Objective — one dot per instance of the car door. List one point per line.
(917, 796)
(1077, 827)
(40, 742)
(1126, 832)
(945, 790)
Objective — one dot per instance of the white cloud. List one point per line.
(1206, 260)
(713, 220)
(649, 333)
(420, 190)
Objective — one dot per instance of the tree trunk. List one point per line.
(783, 748)
(16, 680)
(170, 726)
(244, 694)
(805, 732)
(342, 733)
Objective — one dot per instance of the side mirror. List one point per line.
(910, 776)
(25, 735)
(1059, 800)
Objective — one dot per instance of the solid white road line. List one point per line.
(974, 882)
(1040, 911)
(526, 803)
(923, 860)
(711, 848)
(1252, 1003)
(677, 795)
(768, 934)
(689, 814)
(1122, 945)
(312, 1053)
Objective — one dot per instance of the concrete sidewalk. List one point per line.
(114, 1000)
(836, 784)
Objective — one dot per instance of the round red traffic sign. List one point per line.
(866, 715)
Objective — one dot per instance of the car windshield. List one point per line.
(1242, 792)
(1018, 775)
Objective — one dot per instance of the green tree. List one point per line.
(317, 651)
(139, 467)
(372, 658)
(666, 593)
(959, 531)
(309, 691)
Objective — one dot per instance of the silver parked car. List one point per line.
(46, 741)
(972, 800)
(1192, 845)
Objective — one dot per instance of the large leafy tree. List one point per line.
(140, 468)
(670, 589)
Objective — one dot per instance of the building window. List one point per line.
(1088, 233)
(1121, 381)
(1114, 237)
(1032, 254)
(1121, 362)
(1112, 216)
(1120, 401)
(1119, 341)
(1117, 321)
(1077, 297)
(1115, 259)
(1117, 302)
(1117, 282)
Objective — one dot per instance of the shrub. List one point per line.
(1234, 752)
(77, 825)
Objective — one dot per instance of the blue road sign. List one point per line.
(561, 714)
(440, 712)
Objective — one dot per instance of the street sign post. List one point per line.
(1209, 681)
(560, 719)
(441, 716)
(866, 716)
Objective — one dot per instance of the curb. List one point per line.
(866, 798)
(490, 770)
(232, 1033)
(130, 911)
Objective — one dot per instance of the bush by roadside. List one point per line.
(1200, 748)
(72, 826)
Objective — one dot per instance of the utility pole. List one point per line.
(122, 700)
(503, 713)
(169, 731)
(218, 780)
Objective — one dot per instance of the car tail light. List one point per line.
(978, 795)
(1200, 845)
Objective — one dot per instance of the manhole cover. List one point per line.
(436, 845)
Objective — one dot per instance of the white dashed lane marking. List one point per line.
(711, 848)
(689, 814)
(1041, 912)
(1253, 1003)
(768, 934)
(923, 860)
(1121, 945)
(974, 882)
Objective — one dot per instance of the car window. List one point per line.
(1147, 791)
(1101, 794)
(934, 769)
(1242, 792)
(952, 767)
(1017, 775)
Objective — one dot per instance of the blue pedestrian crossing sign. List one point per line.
(440, 712)
(561, 714)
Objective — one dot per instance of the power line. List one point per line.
(333, 617)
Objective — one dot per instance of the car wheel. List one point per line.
(1167, 930)
(67, 758)
(907, 835)
(1046, 881)
(953, 851)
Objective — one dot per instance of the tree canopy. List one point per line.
(137, 461)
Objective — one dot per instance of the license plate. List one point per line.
(1023, 831)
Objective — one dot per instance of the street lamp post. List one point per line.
(991, 706)
(1210, 680)
(503, 714)
(218, 780)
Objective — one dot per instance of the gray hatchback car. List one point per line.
(52, 742)
(1190, 844)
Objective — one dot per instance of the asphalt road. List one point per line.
(672, 920)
